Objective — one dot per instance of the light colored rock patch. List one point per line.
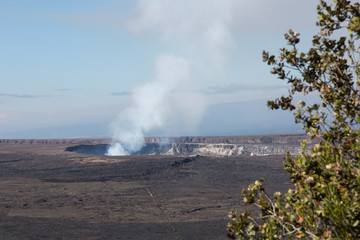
(231, 149)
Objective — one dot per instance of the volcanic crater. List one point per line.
(208, 146)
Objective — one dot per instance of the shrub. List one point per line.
(324, 202)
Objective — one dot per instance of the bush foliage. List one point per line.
(324, 202)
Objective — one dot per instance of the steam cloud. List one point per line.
(201, 31)
(203, 27)
(148, 109)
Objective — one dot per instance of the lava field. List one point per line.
(50, 191)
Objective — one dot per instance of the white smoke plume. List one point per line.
(202, 32)
(202, 27)
(149, 105)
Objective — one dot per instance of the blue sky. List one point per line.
(69, 68)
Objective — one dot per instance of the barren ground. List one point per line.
(48, 193)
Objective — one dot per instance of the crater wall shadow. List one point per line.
(101, 149)
(97, 149)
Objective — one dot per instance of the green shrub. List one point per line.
(324, 202)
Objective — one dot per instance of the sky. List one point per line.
(77, 68)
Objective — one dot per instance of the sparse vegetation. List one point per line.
(324, 202)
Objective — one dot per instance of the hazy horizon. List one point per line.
(274, 122)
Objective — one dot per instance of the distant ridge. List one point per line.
(242, 139)
(248, 139)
